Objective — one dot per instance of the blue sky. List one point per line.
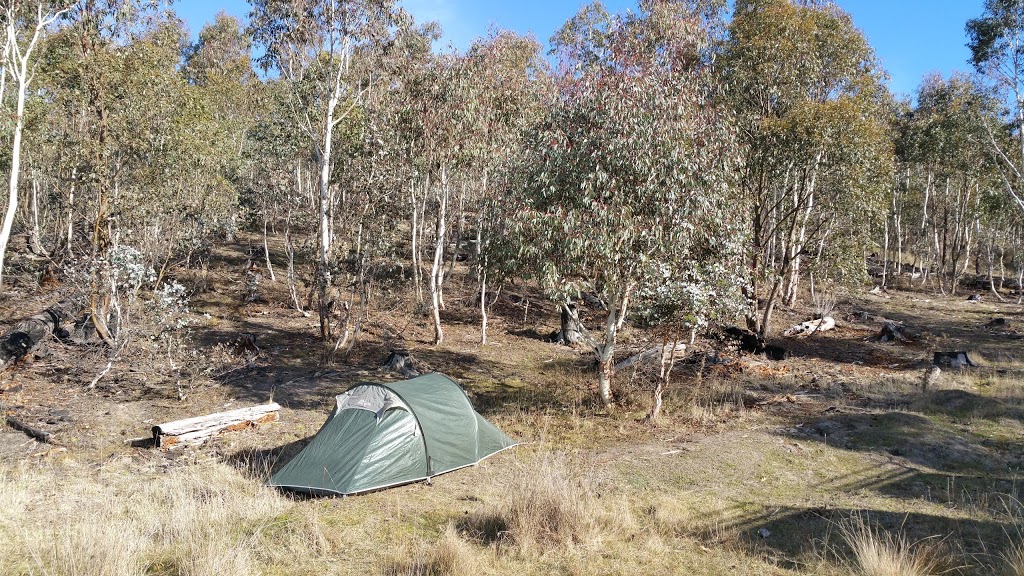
(911, 37)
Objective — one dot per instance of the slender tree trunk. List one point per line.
(483, 280)
(885, 254)
(36, 238)
(991, 269)
(266, 250)
(483, 308)
(623, 310)
(669, 347)
(12, 188)
(323, 279)
(437, 270)
(71, 214)
(1020, 284)
(417, 276)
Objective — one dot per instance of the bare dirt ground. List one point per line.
(751, 471)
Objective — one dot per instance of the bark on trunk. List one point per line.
(36, 237)
(323, 279)
(605, 353)
(571, 331)
(483, 308)
(417, 279)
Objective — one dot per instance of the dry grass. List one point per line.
(876, 552)
(451, 555)
(71, 520)
(1014, 559)
(546, 504)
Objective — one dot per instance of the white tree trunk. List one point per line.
(266, 250)
(12, 188)
(417, 276)
(16, 63)
(437, 271)
(323, 279)
(605, 353)
(71, 215)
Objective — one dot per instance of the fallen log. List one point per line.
(195, 431)
(31, 431)
(651, 355)
(27, 336)
(811, 326)
(998, 324)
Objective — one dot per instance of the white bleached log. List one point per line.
(811, 327)
(194, 431)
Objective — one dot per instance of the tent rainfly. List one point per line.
(383, 435)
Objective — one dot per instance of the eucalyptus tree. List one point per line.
(92, 84)
(632, 166)
(25, 22)
(812, 113)
(325, 50)
(510, 90)
(996, 41)
(948, 173)
(277, 157)
(222, 86)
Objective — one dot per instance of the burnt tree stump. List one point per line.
(957, 359)
(401, 362)
(29, 334)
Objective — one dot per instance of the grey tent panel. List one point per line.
(382, 435)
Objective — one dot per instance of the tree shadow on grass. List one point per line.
(260, 464)
(795, 536)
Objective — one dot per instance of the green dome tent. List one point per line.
(382, 435)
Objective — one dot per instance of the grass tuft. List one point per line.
(876, 552)
(546, 505)
(1014, 559)
(449, 556)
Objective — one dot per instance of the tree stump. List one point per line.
(401, 362)
(931, 377)
(571, 331)
(955, 360)
(998, 324)
(28, 335)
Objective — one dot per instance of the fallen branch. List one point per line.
(41, 435)
(96, 380)
(195, 431)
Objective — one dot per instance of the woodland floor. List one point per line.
(752, 470)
